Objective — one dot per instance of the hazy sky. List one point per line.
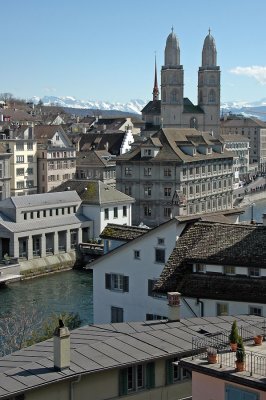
(104, 50)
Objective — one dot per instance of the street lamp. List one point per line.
(252, 213)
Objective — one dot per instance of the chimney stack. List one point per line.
(61, 347)
(173, 306)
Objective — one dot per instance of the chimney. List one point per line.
(173, 306)
(61, 347)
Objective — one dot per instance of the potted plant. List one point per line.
(212, 355)
(233, 337)
(258, 340)
(240, 355)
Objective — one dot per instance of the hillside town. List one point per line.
(150, 206)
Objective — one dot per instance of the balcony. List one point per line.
(255, 356)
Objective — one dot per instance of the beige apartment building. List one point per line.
(254, 130)
(176, 172)
(56, 157)
(23, 160)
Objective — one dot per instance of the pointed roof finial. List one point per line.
(209, 31)
(155, 91)
(172, 29)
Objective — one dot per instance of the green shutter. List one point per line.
(150, 375)
(107, 281)
(123, 382)
(150, 286)
(126, 283)
(169, 372)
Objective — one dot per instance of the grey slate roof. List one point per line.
(235, 138)
(40, 200)
(93, 158)
(102, 141)
(42, 223)
(172, 140)
(217, 244)
(153, 107)
(122, 232)
(93, 192)
(42, 133)
(99, 347)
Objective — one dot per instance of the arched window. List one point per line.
(164, 96)
(174, 96)
(193, 123)
(211, 96)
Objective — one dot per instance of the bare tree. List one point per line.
(16, 328)
(6, 97)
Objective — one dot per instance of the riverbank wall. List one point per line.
(42, 266)
(252, 198)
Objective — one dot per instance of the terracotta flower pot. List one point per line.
(212, 358)
(240, 366)
(258, 340)
(233, 346)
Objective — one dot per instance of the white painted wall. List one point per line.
(136, 303)
(96, 213)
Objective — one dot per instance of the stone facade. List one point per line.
(56, 157)
(176, 172)
(174, 110)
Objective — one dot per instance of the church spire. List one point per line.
(155, 91)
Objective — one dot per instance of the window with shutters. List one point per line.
(117, 282)
(174, 372)
(237, 393)
(136, 377)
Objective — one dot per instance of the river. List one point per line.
(259, 208)
(69, 291)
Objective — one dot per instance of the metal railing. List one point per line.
(255, 363)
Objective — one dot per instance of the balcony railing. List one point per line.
(255, 362)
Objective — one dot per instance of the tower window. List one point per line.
(211, 96)
(174, 96)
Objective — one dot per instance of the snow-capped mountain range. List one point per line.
(133, 106)
(256, 108)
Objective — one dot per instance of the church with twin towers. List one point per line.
(176, 111)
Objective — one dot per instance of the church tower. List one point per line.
(209, 86)
(172, 84)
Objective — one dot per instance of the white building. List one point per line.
(123, 278)
(43, 229)
(100, 203)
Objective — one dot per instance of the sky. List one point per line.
(104, 50)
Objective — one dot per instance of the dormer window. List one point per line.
(200, 268)
(147, 152)
(209, 150)
(194, 152)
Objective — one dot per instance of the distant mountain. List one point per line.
(256, 108)
(133, 106)
(249, 109)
